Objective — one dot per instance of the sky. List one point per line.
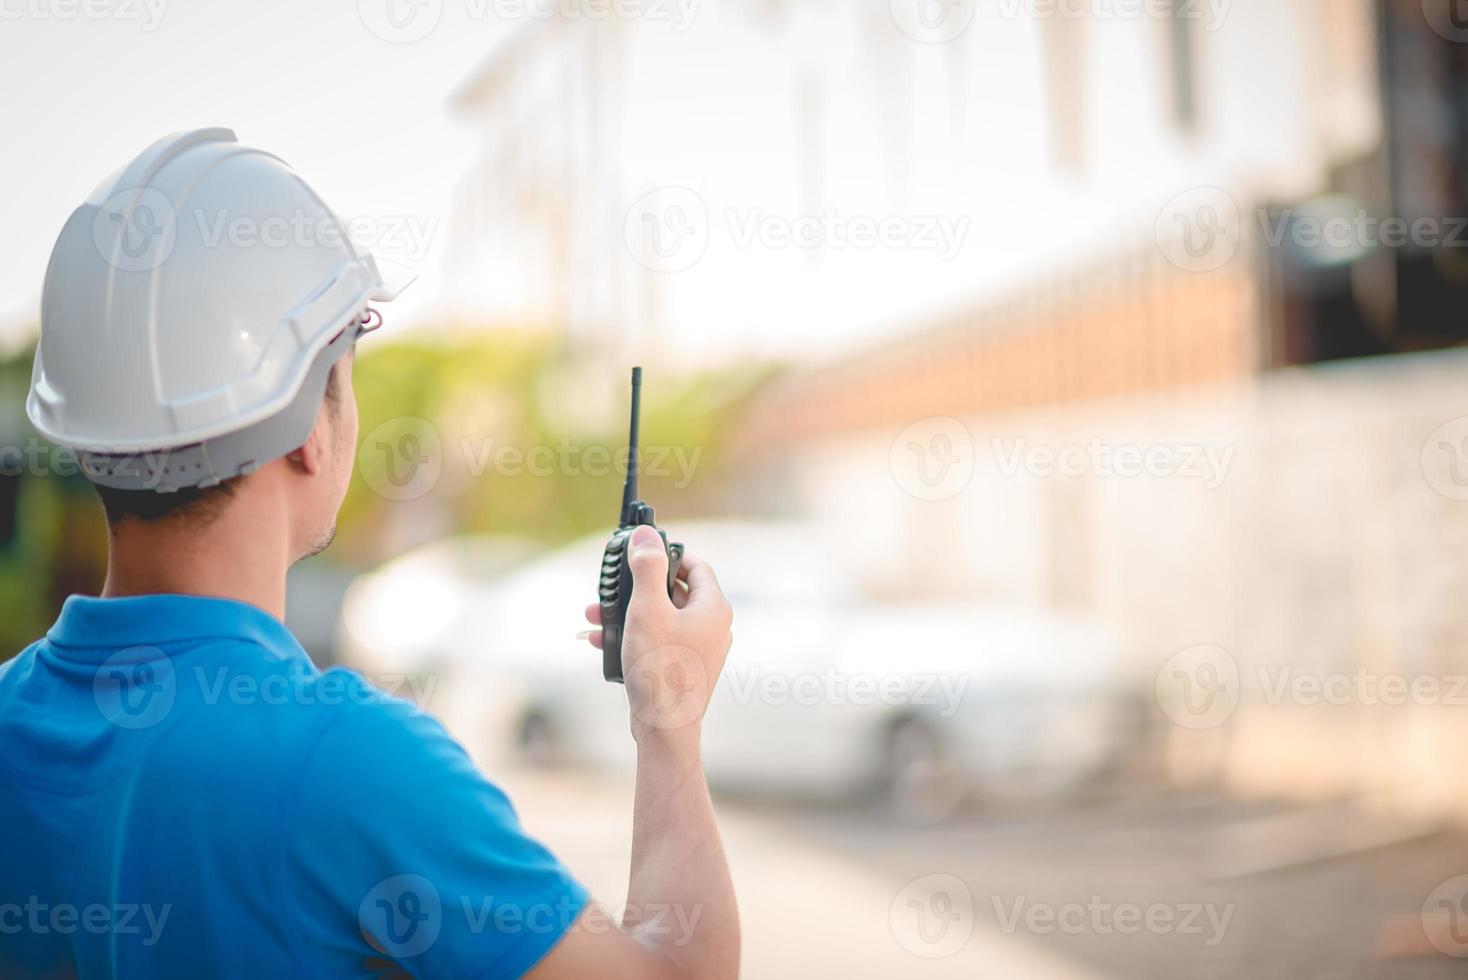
(89, 85)
(843, 113)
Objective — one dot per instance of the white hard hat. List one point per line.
(192, 310)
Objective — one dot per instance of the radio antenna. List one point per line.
(629, 492)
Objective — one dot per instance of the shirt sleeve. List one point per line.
(399, 851)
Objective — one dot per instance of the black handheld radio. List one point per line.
(614, 590)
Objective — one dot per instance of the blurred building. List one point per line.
(1330, 545)
(1140, 268)
(53, 538)
(1020, 141)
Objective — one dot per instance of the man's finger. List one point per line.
(593, 614)
(594, 637)
(703, 586)
(649, 564)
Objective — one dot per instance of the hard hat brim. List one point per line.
(394, 277)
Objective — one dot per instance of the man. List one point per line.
(181, 792)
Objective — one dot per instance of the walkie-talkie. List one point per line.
(614, 590)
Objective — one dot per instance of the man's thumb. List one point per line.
(649, 563)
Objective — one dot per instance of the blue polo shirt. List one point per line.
(183, 794)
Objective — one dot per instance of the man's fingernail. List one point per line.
(645, 537)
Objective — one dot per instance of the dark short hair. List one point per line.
(198, 505)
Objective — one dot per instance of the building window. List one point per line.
(9, 507)
(1064, 46)
(1182, 63)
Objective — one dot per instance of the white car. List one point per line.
(825, 693)
(398, 620)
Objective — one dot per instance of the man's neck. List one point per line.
(232, 557)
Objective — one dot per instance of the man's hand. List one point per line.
(672, 653)
(672, 649)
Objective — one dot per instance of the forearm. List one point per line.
(680, 898)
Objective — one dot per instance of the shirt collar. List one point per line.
(92, 623)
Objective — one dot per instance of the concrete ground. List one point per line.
(1129, 884)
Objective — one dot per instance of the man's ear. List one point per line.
(310, 459)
